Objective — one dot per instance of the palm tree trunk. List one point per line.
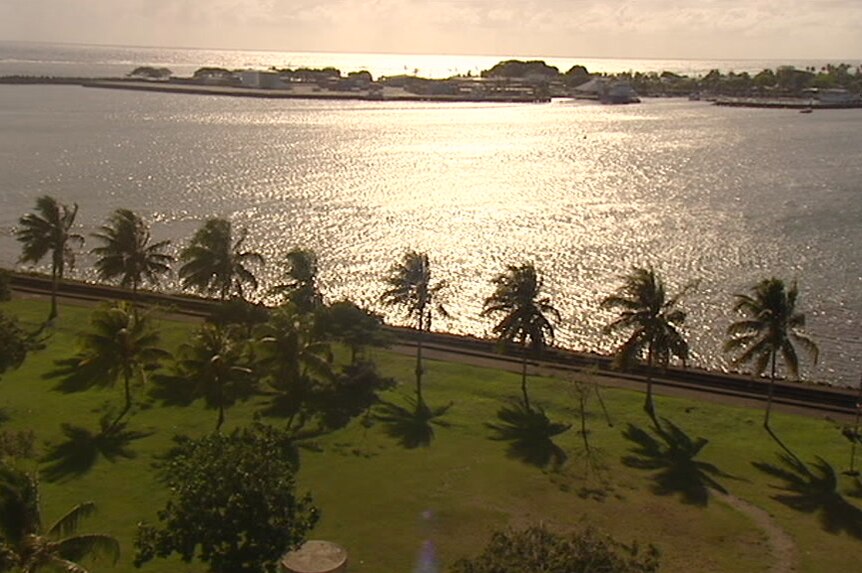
(135, 299)
(524, 377)
(55, 283)
(419, 356)
(128, 406)
(220, 420)
(771, 388)
(649, 405)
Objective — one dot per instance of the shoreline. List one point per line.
(301, 91)
(784, 103)
(836, 399)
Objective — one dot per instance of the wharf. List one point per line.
(309, 92)
(784, 103)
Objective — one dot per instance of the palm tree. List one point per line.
(652, 321)
(214, 262)
(28, 547)
(301, 288)
(215, 363)
(127, 253)
(49, 229)
(121, 345)
(292, 358)
(771, 325)
(410, 287)
(518, 297)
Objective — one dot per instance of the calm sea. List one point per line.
(724, 196)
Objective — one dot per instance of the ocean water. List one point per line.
(718, 195)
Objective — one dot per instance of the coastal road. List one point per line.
(810, 399)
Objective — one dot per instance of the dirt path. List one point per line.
(781, 545)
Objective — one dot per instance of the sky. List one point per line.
(714, 29)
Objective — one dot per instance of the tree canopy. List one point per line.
(233, 503)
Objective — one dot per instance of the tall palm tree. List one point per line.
(771, 325)
(301, 287)
(518, 298)
(49, 230)
(652, 321)
(215, 363)
(215, 262)
(26, 546)
(128, 254)
(122, 346)
(410, 287)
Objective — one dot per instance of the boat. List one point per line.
(607, 91)
(806, 110)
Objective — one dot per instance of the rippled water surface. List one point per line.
(725, 196)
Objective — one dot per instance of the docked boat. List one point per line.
(607, 91)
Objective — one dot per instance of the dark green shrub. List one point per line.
(538, 549)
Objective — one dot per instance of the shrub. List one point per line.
(538, 549)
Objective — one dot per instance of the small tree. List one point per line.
(301, 287)
(357, 328)
(215, 261)
(49, 230)
(410, 287)
(215, 365)
(233, 503)
(538, 549)
(5, 286)
(128, 254)
(121, 345)
(27, 546)
(14, 344)
(652, 321)
(770, 326)
(518, 298)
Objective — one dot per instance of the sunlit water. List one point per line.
(725, 196)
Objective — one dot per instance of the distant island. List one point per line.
(531, 81)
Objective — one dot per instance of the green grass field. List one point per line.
(383, 502)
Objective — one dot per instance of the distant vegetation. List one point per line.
(547, 80)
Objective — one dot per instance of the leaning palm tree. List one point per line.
(771, 325)
(215, 262)
(215, 363)
(410, 287)
(26, 546)
(301, 287)
(49, 230)
(127, 253)
(121, 345)
(518, 298)
(652, 321)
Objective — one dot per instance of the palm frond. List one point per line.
(68, 523)
(94, 545)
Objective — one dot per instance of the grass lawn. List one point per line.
(391, 507)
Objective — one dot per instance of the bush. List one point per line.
(14, 343)
(232, 505)
(5, 285)
(537, 549)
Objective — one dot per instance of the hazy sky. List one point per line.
(817, 29)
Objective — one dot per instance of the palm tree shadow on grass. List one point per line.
(815, 490)
(671, 454)
(78, 453)
(171, 389)
(528, 430)
(412, 426)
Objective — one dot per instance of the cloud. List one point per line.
(615, 28)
